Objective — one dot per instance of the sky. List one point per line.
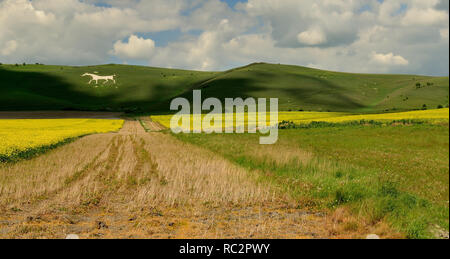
(363, 36)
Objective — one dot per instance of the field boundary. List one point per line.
(34, 152)
(18, 155)
(325, 124)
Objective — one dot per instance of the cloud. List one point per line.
(136, 48)
(425, 17)
(210, 35)
(442, 5)
(312, 37)
(444, 34)
(76, 32)
(9, 48)
(288, 19)
(389, 59)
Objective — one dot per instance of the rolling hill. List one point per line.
(150, 90)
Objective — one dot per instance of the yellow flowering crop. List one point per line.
(431, 116)
(27, 134)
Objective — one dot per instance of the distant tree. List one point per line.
(24, 64)
(16, 65)
(440, 106)
(1, 63)
(424, 107)
(418, 85)
(429, 84)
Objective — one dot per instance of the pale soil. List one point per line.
(134, 184)
(58, 115)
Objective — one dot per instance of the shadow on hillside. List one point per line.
(321, 93)
(35, 91)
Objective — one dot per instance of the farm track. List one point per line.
(135, 184)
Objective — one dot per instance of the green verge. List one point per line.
(34, 152)
(143, 125)
(395, 174)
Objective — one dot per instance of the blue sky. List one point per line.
(368, 36)
(232, 3)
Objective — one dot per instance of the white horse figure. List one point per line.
(97, 77)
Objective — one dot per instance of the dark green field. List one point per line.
(150, 90)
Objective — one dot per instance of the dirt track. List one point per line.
(134, 184)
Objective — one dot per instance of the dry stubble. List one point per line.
(135, 184)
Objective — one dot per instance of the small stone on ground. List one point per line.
(372, 236)
(72, 236)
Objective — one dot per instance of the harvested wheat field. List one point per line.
(135, 184)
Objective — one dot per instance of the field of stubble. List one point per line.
(135, 184)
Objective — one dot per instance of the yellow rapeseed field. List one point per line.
(20, 135)
(432, 116)
(291, 116)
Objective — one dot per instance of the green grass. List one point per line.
(393, 174)
(39, 87)
(150, 90)
(301, 88)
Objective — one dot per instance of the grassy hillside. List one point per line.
(301, 88)
(146, 89)
(40, 87)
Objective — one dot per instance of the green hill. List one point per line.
(147, 89)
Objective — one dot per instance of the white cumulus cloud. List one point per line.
(312, 37)
(9, 48)
(425, 17)
(389, 59)
(136, 48)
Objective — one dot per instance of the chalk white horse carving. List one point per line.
(97, 77)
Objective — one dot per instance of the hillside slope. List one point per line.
(40, 87)
(146, 89)
(300, 88)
